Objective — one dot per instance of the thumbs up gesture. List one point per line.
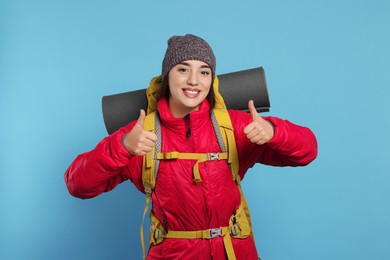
(259, 131)
(139, 141)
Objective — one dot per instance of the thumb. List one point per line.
(141, 118)
(252, 109)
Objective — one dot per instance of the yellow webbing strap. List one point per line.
(200, 157)
(148, 163)
(148, 199)
(202, 234)
(227, 241)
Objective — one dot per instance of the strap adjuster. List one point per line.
(215, 232)
(212, 156)
(235, 230)
(156, 233)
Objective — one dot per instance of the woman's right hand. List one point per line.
(139, 141)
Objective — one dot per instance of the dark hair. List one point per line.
(164, 92)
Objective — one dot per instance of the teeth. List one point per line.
(193, 92)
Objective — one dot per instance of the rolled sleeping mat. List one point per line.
(236, 88)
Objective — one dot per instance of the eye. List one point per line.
(182, 69)
(205, 72)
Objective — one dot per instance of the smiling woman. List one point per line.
(189, 84)
(199, 153)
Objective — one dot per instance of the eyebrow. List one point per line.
(187, 64)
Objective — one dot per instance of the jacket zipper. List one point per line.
(188, 130)
(188, 135)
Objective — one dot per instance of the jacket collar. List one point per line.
(167, 118)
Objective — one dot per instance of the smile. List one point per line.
(191, 92)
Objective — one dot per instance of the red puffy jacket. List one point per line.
(177, 201)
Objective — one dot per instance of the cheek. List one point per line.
(208, 86)
(173, 87)
(207, 83)
(171, 84)
(175, 82)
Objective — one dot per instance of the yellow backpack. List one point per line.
(240, 223)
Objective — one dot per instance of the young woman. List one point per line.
(197, 215)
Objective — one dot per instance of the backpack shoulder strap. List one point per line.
(149, 164)
(149, 168)
(222, 117)
(225, 134)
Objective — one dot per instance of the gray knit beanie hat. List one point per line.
(187, 47)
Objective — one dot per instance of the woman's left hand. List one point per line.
(259, 131)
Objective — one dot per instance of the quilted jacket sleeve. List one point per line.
(292, 145)
(103, 168)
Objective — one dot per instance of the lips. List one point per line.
(191, 93)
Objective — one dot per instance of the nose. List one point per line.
(192, 79)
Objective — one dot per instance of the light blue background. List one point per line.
(327, 65)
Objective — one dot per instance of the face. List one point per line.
(189, 84)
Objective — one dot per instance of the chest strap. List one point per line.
(199, 157)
